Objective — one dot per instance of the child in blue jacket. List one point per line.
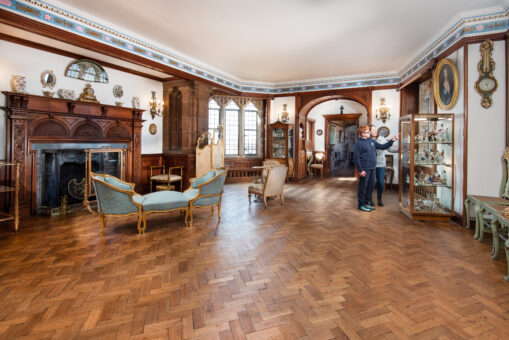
(365, 161)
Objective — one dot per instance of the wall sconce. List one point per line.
(156, 106)
(383, 111)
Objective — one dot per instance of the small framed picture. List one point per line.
(319, 132)
(152, 129)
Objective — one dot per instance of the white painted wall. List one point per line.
(331, 107)
(459, 136)
(392, 101)
(486, 127)
(29, 62)
(276, 107)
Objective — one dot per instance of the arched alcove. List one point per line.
(175, 120)
(309, 101)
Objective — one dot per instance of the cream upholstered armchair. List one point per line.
(268, 163)
(273, 185)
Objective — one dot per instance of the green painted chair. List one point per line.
(206, 191)
(117, 198)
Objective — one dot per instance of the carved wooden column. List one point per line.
(137, 178)
(18, 137)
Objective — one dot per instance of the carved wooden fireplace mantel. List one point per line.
(33, 120)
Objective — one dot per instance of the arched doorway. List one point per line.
(310, 100)
(340, 137)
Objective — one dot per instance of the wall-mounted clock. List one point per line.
(486, 84)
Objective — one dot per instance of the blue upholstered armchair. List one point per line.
(116, 198)
(207, 191)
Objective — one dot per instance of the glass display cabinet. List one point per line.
(426, 171)
(281, 143)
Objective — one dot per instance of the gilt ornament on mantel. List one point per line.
(88, 95)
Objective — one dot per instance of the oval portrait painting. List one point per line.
(445, 84)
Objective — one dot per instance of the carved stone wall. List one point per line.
(189, 116)
(175, 119)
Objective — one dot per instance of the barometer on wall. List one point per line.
(486, 84)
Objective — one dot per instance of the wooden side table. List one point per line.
(8, 189)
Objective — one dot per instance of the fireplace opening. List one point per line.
(61, 177)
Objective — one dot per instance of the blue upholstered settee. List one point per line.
(117, 198)
(206, 191)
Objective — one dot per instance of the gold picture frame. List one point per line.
(152, 129)
(445, 93)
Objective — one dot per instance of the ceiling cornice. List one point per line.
(147, 53)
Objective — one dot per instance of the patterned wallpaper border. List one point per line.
(63, 19)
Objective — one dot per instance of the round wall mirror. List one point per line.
(48, 79)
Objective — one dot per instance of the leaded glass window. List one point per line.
(250, 129)
(232, 129)
(213, 117)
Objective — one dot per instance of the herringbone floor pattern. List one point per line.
(313, 269)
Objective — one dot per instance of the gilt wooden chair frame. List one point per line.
(210, 156)
(87, 190)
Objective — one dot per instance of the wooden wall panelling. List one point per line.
(240, 169)
(188, 161)
(506, 89)
(409, 99)
(148, 160)
(465, 131)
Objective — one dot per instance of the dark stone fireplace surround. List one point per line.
(56, 164)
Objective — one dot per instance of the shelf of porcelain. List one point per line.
(444, 164)
(432, 185)
(433, 211)
(445, 143)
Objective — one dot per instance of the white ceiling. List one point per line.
(278, 41)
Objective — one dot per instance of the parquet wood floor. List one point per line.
(316, 268)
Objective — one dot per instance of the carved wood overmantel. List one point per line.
(35, 119)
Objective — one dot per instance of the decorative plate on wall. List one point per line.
(383, 131)
(319, 132)
(152, 129)
(118, 91)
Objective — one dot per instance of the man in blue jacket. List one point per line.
(365, 161)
